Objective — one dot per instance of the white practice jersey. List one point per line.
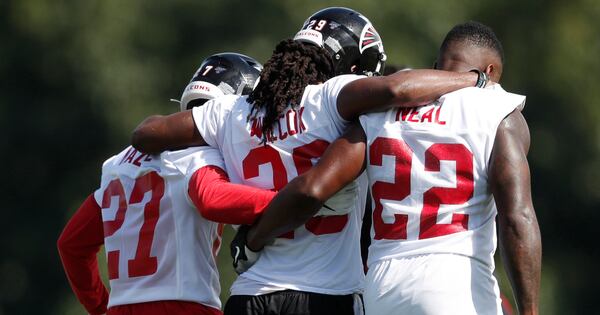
(158, 247)
(428, 173)
(323, 256)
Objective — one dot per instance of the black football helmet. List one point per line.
(221, 74)
(349, 37)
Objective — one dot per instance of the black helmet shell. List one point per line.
(350, 38)
(221, 74)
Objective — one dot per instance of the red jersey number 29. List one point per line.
(432, 198)
(302, 156)
(142, 264)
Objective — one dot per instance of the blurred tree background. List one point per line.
(78, 76)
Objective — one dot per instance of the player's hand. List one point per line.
(243, 257)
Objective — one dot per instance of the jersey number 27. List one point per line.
(142, 264)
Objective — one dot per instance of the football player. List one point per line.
(160, 251)
(302, 103)
(434, 173)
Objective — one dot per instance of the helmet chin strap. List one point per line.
(378, 69)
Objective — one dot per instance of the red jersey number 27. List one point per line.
(142, 264)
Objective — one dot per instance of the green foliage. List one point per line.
(79, 75)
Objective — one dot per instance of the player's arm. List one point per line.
(78, 245)
(404, 89)
(160, 133)
(219, 200)
(302, 198)
(519, 233)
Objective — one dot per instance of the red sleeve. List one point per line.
(78, 245)
(221, 201)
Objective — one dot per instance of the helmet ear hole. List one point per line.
(382, 56)
(195, 103)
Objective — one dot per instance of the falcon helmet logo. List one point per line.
(369, 38)
(220, 69)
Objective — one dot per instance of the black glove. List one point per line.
(243, 257)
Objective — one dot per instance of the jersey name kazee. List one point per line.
(288, 124)
(135, 157)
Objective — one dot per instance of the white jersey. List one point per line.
(323, 256)
(428, 173)
(158, 247)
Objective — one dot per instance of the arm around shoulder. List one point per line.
(402, 89)
(221, 201)
(172, 132)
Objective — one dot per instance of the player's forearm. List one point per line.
(160, 133)
(219, 200)
(147, 135)
(85, 281)
(419, 87)
(291, 207)
(521, 249)
(302, 198)
(403, 89)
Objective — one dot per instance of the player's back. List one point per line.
(322, 256)
(157, 246)
(427, 170)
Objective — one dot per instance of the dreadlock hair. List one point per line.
(474, 33)
(292, 67)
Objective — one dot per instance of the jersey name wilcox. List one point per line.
(288, 124)
(427, 170)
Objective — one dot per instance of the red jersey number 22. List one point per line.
(432, 198)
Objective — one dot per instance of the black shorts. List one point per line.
(291, 302)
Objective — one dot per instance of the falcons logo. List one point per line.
(369, 38)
